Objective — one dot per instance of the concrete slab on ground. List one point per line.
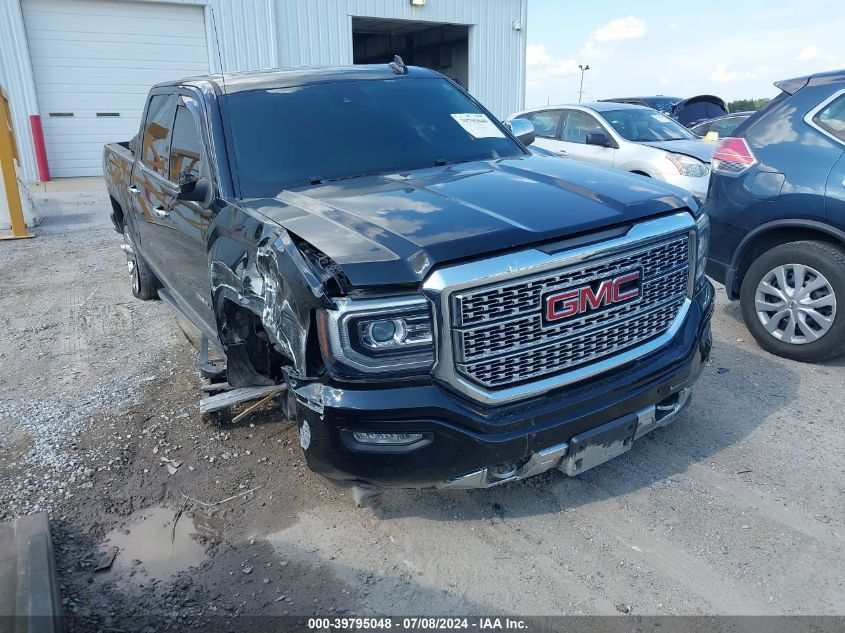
(29, 590)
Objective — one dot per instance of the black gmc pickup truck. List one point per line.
(446, 308)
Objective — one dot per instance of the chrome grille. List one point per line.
(579, 350)
(500, 340)
(523, 297)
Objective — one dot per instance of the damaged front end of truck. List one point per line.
(267, 286)
(383, 379)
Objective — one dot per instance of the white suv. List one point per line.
(628, 137)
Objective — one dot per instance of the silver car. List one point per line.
(628, 137)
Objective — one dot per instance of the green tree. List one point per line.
(740, 105)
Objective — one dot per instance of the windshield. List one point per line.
(288, 137)
(646, 125)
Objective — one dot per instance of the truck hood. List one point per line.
(701, 150)
(392, 230)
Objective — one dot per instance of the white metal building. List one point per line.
(85, 66)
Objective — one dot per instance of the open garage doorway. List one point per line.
(441, 47)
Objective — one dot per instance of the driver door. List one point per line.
(184, 233)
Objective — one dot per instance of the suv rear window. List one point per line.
(832, 118)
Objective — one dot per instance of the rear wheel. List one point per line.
(793, 300)
(144, 284)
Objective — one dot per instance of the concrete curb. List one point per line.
(29, 590)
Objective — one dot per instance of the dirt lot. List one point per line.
(737, 508)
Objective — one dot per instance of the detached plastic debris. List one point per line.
(172, 464)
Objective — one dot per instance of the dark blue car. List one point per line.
(777, 208)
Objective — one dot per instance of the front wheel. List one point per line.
(793, 300)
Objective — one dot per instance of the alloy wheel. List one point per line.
(795, 303)
(128, 247)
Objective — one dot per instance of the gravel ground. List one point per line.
(737, 508)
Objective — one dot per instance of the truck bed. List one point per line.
(117, 167)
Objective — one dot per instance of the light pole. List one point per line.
(581, 90)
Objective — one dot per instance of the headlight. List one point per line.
(378, 336)
(702, 246)
(687, 165)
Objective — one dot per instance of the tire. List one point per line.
(803, 322)
(144, 284)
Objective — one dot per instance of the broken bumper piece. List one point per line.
(586, 451)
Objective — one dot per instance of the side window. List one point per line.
(154, 148)
(186, 155)
(578, 124)
(545, 123)
(726, 126)
(701, 129)
(832, 118)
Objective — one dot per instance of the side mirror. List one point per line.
(598, 138)
(193, 190)
(523, 129)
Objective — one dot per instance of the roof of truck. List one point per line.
(229, 83)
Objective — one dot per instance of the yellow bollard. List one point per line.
(8, 154)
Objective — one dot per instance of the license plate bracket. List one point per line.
(596, 446)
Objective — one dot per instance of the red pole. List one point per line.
(40, 148)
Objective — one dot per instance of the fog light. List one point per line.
(503, 471)
(387, 438)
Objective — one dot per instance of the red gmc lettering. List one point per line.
(562, 305)
(568, 303)
(621, 281)
(601, 297)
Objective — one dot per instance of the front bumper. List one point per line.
(468, 444)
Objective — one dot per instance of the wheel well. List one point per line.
(775, 237)
(117, 209)
(248, 346)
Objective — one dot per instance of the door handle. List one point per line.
(161, 212)
(562, 152)
(134, 190)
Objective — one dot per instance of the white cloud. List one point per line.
(596, 46)
(537, 55)
(810, 52)
(760, 71)
(558, 68)
(722, 74)
(592, 51)
(629, 28)
(673, 27)
(542, 66)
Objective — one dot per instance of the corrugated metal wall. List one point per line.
(246, 31)
(16, 79)
(279, 33)
(319, 32)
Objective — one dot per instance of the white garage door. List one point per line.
(95, 60)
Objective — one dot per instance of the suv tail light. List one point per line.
(733, 156)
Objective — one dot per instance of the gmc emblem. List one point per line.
(566, 304)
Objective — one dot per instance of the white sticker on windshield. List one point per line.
(479, 125)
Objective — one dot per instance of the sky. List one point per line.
(731, 49)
